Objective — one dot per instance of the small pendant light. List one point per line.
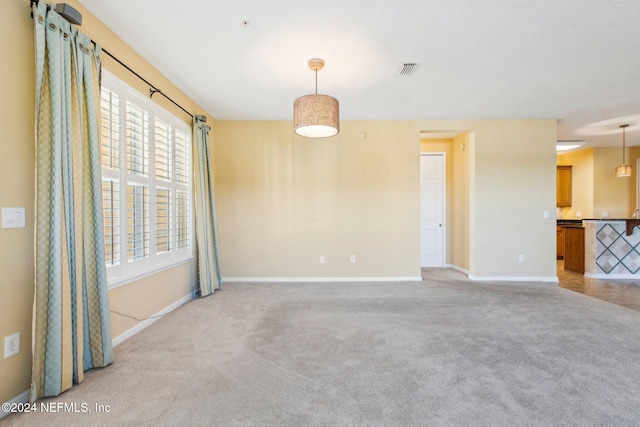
(316, 116)
(623, 169)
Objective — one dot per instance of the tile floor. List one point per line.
(622, 292)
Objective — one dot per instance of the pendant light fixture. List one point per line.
(316, 116)
(623, 169)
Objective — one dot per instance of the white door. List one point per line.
(432, 183)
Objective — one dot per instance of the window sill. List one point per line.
(116, 282)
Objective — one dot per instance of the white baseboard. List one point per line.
(322, 279)
(21, 398)
(549, 279)
(153, 318)
(461, 270)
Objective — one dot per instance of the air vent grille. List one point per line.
(408, 68)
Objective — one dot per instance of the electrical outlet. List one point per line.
(605, 214)
(353, 258)
(521, 258)
(11, 345)
(322, 259)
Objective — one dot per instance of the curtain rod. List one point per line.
(153, 90)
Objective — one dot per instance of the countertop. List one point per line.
(611, 219)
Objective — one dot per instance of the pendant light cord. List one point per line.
(623, 146)
(623, 134)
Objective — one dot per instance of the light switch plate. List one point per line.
(13, 218)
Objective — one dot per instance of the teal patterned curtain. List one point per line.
(71, 330)
(206, 231)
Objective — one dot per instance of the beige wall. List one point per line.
(140, 299)
(596, 189)
(582, 184)
(610, 193)
(461, 147)
(17, 108)
(512, 183)
(283, 201)
(633, 156)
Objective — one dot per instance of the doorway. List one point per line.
(432, 209)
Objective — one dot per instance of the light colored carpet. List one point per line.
(443, 352)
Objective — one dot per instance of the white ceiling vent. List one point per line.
(408, 68)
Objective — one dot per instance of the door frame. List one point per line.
(443, 155)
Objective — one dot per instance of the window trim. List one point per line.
(130, 271)
(119, 281)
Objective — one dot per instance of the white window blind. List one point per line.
(137, 222)
(110, 131)
(111, 214)
(183, 193)
(182, 157)
(164, 149)
(183, 231)
(164, 231)
(137, 125)
(146, 163)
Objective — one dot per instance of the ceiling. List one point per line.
(574, 60)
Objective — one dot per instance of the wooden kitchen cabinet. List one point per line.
(563, 186)
(574, 249)
(559, 242)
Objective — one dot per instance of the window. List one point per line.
(146, 191)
